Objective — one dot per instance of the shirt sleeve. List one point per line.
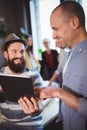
(37, 79)
(59, 71)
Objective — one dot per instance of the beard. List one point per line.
(17, 68)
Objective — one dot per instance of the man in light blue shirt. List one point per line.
(68, 24)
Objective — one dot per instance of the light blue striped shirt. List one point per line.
(75, 81)
(13, 114)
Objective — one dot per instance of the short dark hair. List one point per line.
(72, 8)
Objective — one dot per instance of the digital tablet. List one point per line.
(15, 86)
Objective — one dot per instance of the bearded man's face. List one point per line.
(15, 56)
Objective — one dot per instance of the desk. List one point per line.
(51, 111)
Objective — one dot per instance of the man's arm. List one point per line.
(55, 76)
(67, 97)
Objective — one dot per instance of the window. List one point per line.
(40, 11)
(40, 21)
(84, 4)
(46, 7)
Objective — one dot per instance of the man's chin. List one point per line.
(17, 65)
(17, 69)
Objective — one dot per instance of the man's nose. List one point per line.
(19, 54)
(54, 36)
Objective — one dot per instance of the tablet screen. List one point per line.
(15, 87)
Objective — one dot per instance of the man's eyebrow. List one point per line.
(55, 28)
(15, 49)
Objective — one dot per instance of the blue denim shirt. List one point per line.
(75, 81)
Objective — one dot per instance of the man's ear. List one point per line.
(75, 22)
(5, 54)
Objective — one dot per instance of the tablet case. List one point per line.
(15, 87)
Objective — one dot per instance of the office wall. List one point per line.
(15, 14)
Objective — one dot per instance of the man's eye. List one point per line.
(22, 52)
(15, 51)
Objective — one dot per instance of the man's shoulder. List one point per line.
(31, 71)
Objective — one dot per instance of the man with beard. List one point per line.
(24, 114)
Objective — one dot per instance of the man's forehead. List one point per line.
(56, 20)
(56, 12)
(16, 46)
